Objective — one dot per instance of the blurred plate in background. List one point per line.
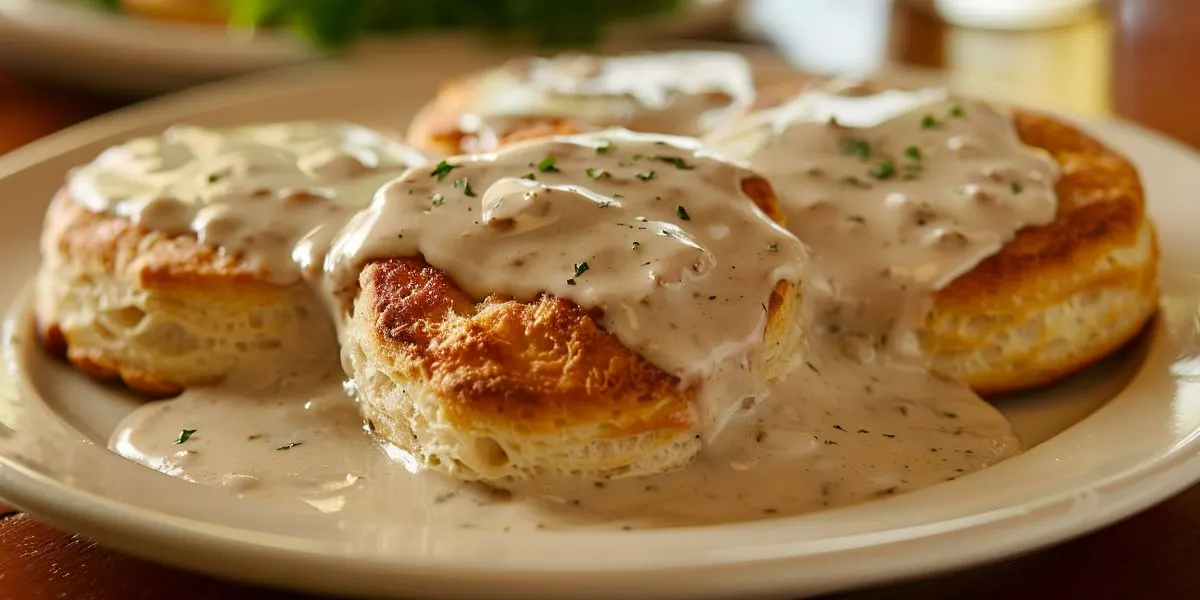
(74, 44)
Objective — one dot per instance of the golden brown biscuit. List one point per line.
(1058, 297)
(156, 311)
(152, 304)
(496, 388)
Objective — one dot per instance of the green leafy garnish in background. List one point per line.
(334, 24)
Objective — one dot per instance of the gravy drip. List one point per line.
(897, 194)
(275, 194)
(680, 93)
(650, 230)
(283, 432)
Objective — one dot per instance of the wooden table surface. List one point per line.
(1137, 59)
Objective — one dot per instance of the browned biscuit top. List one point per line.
(1100, 208)
(533, 367)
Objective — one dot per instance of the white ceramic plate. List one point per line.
(75, 44)
(1109, 443)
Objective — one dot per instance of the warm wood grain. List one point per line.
(29, 110)
(1141, 61)
(39, 562)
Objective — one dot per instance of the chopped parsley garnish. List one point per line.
(596, 173)
(184, 435)
(682, 212)
(637, 246)
(438, 199)
(580, 269)
(853, 146)
(920, 222)
(679, 163)
(547, 165)
(289, 445)
(1016, 187)
(929, 122)
(529, 176)
(774, 247)
(957, 111)
(605, 147)
(645, 175)
(913, 152)
(213, 177)
(442, 170)
(884, 169)
(466, 186)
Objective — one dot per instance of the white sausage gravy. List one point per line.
(650, 230)
(680, 93)
(856, 418)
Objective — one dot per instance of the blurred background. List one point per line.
(66, 60)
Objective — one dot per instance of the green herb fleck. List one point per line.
(637, 246)
(957, 111)
(774, 247)
(529, 176)
(682, 212)
(854, 146)
(596, 173)
(645, 175)
(712, 297)
(442, 169)
(466, 186)
(438, 199)
(547, 165)
(213, 177)
(884, 169)
(184, 435)
(605, 147)
(920, 222)
(929, 122)
(913, 152)
(857, 219)
(1016, 187)
(679, 163)
(289, 445)
(580, 269)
